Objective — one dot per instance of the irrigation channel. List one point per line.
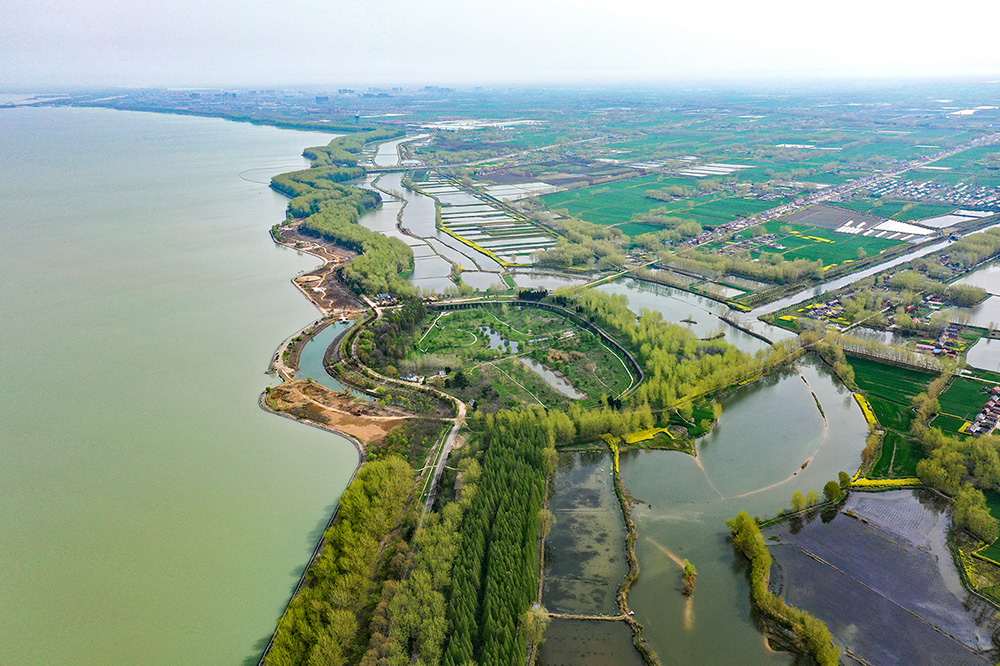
(833, 285)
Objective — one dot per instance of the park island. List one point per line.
(648, 378)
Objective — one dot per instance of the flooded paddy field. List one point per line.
(588, 643)
(585, 551)
(884, 581)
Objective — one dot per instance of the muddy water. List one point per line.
(585, 550)
(588, 643)
(752, 461)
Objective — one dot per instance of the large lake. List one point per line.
(150, 512)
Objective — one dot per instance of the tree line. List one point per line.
(325, 621)
(331, 209)
(495, 577)
(812, 634)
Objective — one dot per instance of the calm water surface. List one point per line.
(751, 461)
(152, 513)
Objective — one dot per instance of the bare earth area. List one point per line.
(321, 285)
(367, 421)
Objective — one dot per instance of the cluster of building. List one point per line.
(962, 194)
(986, 420)
(757, 242)
(949, 343)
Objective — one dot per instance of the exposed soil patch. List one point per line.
(369, 422)
(321, 286)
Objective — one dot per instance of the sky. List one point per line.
(445, 42)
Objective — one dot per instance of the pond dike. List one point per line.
(634, 368)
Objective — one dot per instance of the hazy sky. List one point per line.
(352, 42)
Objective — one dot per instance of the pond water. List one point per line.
(588, 643)
(482, 280)
(546, 281)
(987, 277)
(552, 379)
(984, 315)
(585, 550)
(311, 359)
(498, 341)
(985, 355)
(751, 461)
(884, 581)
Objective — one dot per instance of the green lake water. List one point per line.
(151, 512)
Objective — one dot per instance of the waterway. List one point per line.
(699, 314)
(435, 252)
(833, 285)
(152, 513)
(314, 351)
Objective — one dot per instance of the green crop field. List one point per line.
(835, 248)
(964, 398)
(638, 228)
(613, 202)
(895, 209)
(891, 414)
(948, 424)
(889, 382)
(899, 458)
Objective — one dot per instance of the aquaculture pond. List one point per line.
(985, 354)
(585, 550)
(771, 441)
(880, 574)
(588, 643)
